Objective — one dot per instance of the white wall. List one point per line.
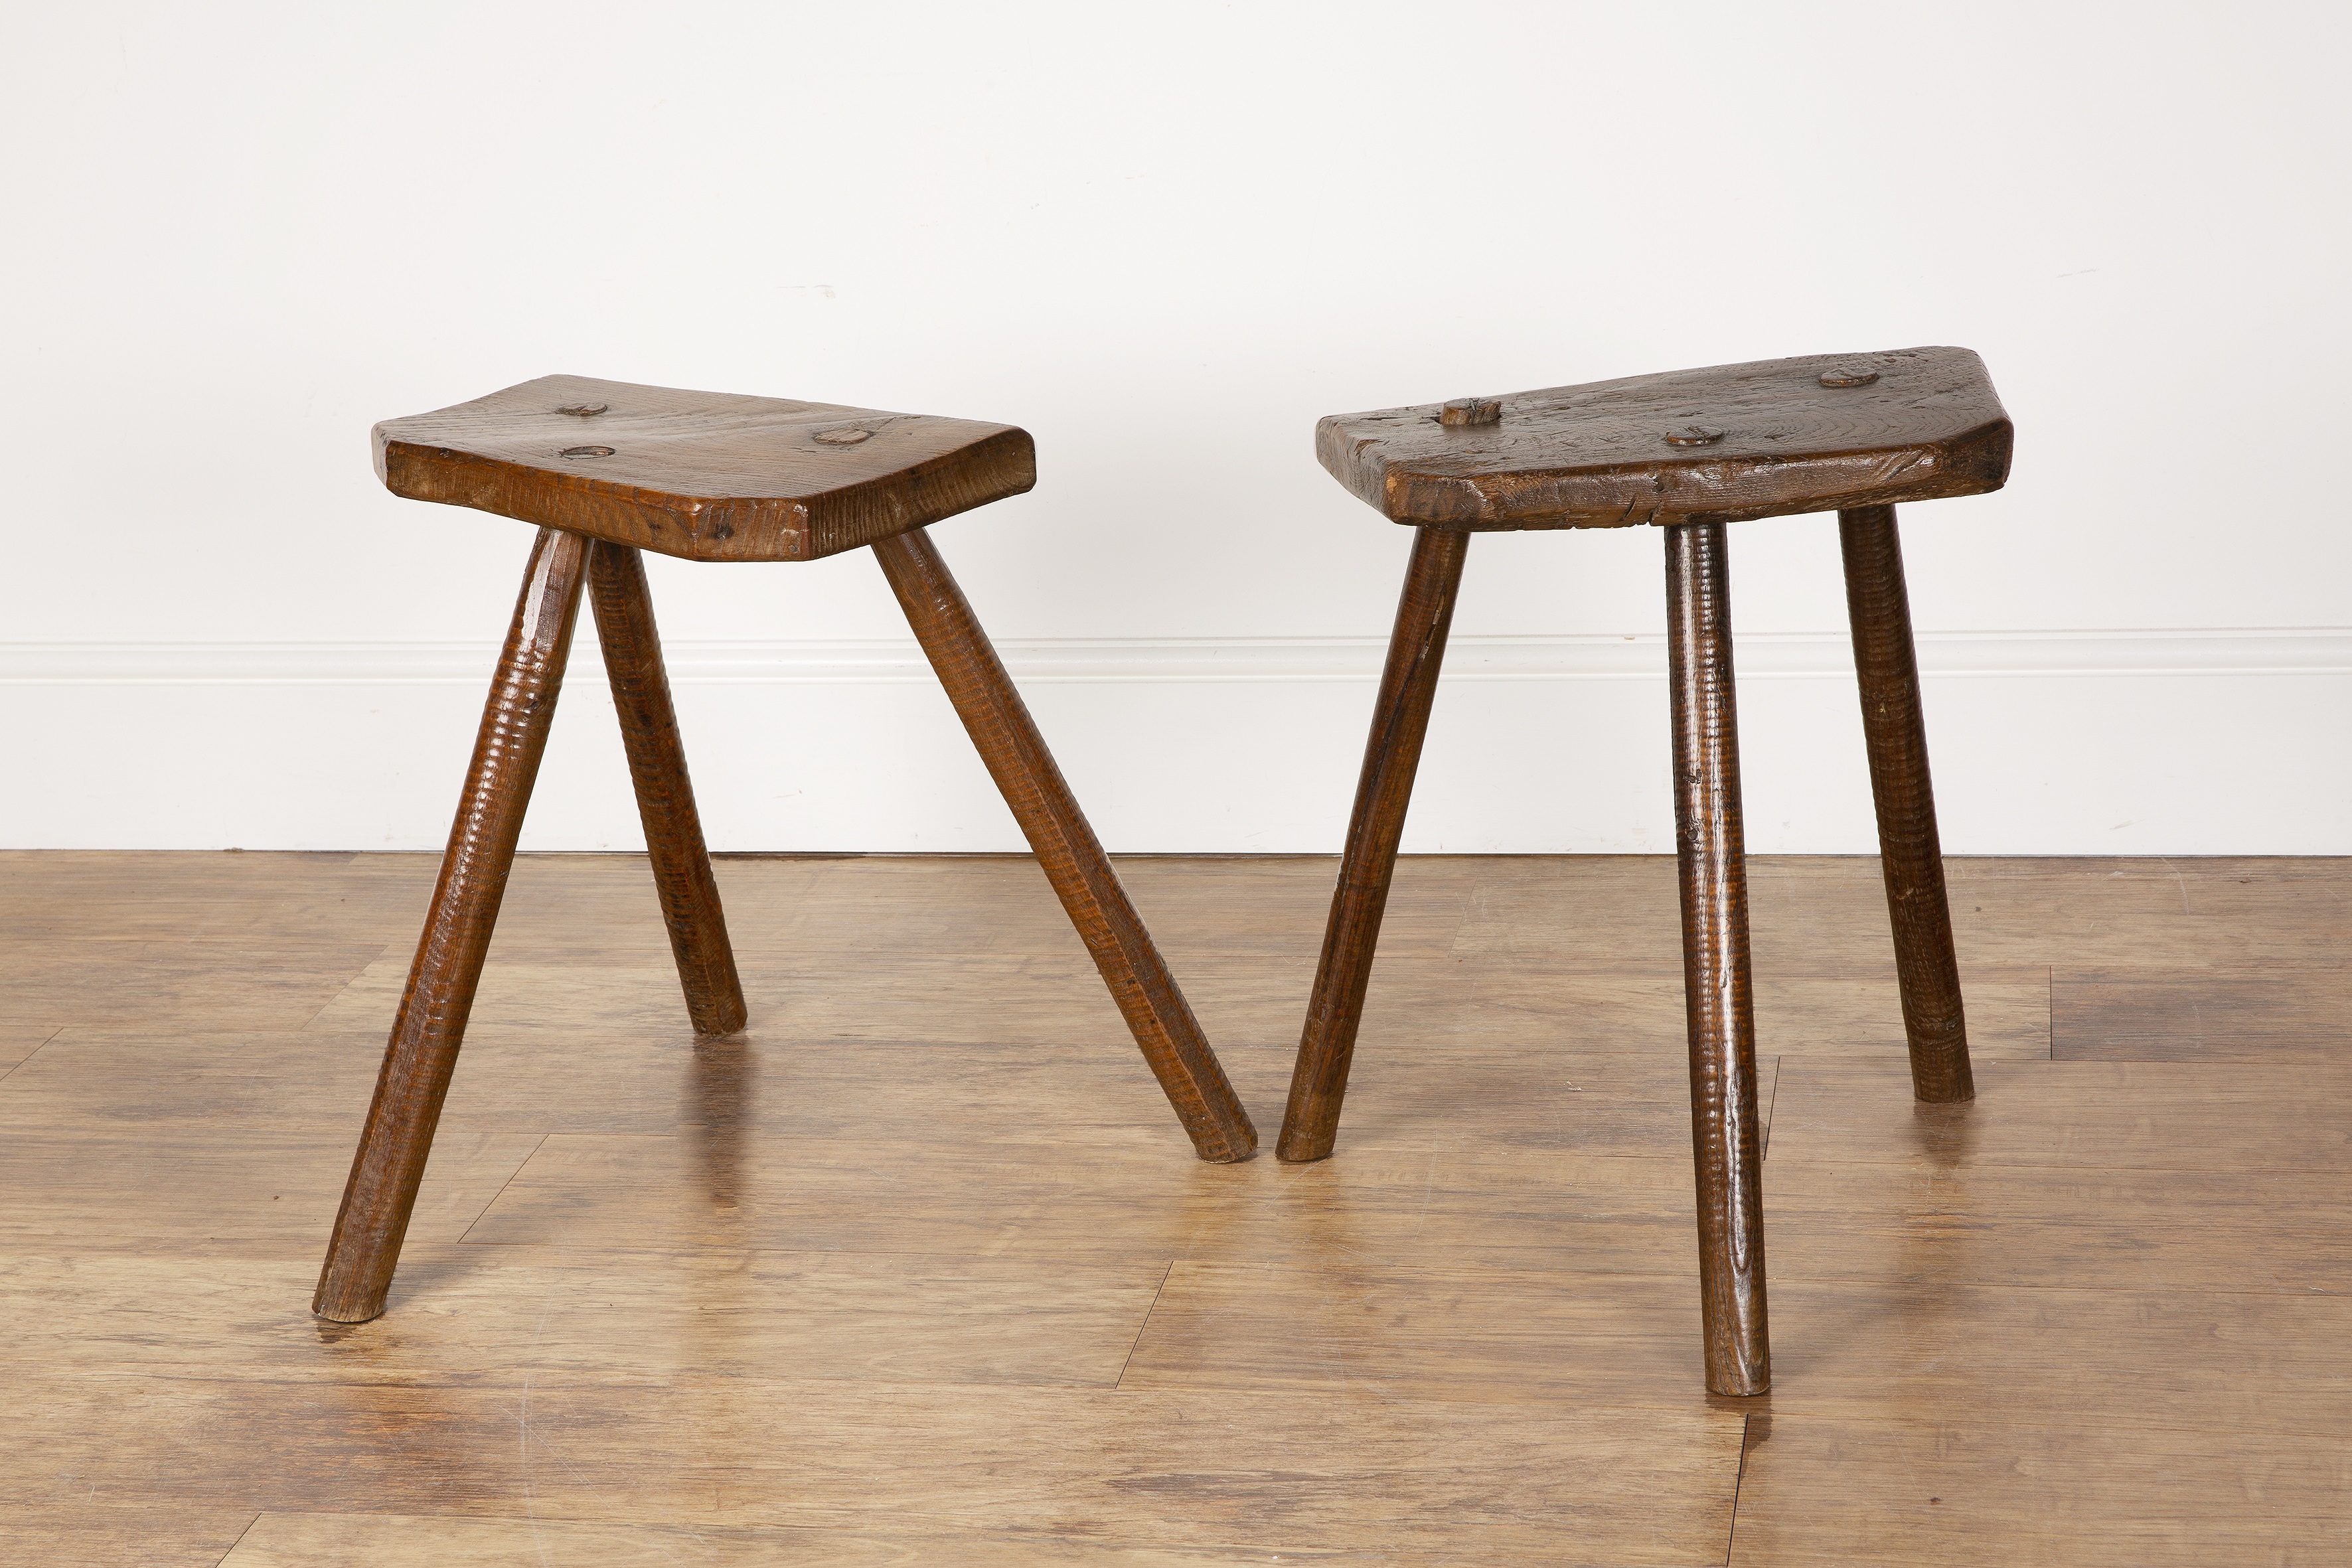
(1165, 241)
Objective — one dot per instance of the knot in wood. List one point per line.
(849, 438)
(585, 452)
(584, 410)
(1471, 411)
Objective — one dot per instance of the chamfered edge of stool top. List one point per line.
(708, 475)
(1721, 443)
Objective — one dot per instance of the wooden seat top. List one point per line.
(705, 475)
(1726, 442)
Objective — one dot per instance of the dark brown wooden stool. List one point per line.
(605, 469)
(1690, 451)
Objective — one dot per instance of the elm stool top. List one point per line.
(1728, 442)
(708, 475)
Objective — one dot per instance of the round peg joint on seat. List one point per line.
(1464, 411)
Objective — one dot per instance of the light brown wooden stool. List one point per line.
(1690, 451)
(605, 469)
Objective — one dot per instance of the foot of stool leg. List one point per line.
(1716, 987)
(423, 1051)
(1327, 1045)
(1056, 829)
(1909, 854)
(681, 863)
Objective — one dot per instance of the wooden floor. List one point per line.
(921, 1269)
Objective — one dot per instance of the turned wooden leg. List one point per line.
(1908, 851)
(1327, 1045)
(431, 1025)
(1056, 829)
(1725, 1132)
(690, 894)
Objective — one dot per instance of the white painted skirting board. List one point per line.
(2082, 743)
(2313, 650)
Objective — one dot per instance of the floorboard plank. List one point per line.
(2275, 1363)
(412, 1541)
(225, 984)
(1352, 1473)
(766, 1085)
(2115, 1116)
(1969, 1223)
(1637, 1005)
(469, 1315)
(1949, 1495)
(1427, 1208)
(252, 1195)
(2171, 1016)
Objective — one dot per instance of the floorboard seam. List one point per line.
(240, 1538)
(35, 1051)
(502, 1188)
(342, 990)
(1731, 1535)
(1145, 1327)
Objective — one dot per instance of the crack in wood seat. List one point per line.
(1772, 436)
(708, 476)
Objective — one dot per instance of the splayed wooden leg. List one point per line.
(1009, 744)
(1327, 1045)
(431, 1025)
(1911, 855)
(681, 863)
(1725, 1129)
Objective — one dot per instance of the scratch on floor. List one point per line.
(2180, 880)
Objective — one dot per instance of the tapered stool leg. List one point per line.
(1327, 1045)
(1074, 861)
(681, 863)
(423, 1051)
(1716, 988)
(1908, 851)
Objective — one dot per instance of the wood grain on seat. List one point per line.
(705, 475)
(1724, 443)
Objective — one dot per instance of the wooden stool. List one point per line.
(1690, 451)
(606, 469)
